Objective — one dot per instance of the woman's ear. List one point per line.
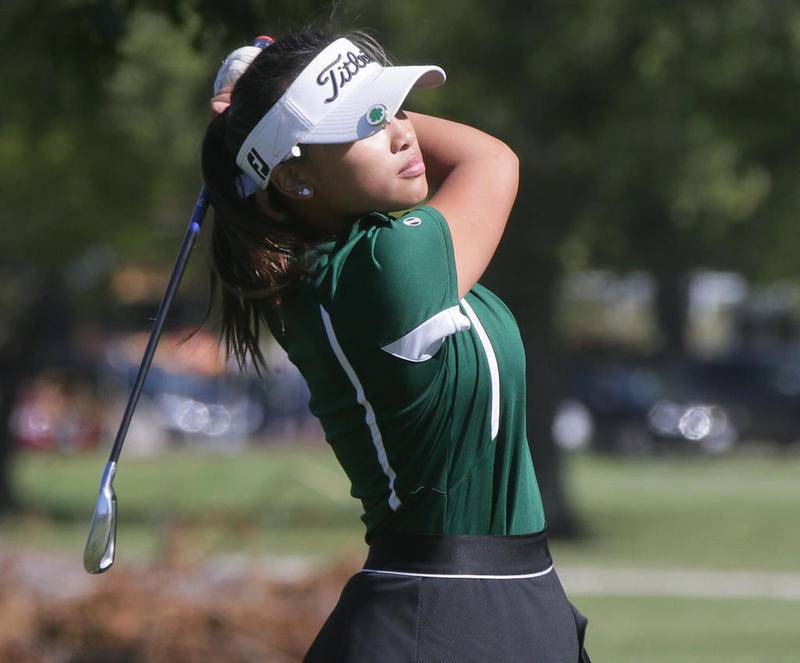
(291, 181)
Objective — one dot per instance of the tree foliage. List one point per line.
(640, 125)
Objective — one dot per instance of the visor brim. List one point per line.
(390, 87)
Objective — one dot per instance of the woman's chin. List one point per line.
(419, 196)
(406, 200)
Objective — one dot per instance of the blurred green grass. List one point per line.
(732, 512)
(278, 501)
(671, 630)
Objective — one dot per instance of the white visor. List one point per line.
(341, 96)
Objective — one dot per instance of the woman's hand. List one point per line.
(220, 101)
(232, 67)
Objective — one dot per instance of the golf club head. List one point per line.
(98, 556)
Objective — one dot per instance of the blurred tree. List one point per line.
(691, 107)
(97, 153)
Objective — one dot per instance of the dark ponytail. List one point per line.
(255, 260)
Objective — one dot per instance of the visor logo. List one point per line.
(336, 77)
(257, 163)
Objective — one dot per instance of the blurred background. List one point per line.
(651, 261)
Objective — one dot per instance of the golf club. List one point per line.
(98, 555)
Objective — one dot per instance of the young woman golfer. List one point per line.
(416, 371)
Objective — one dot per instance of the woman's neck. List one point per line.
(322, 221)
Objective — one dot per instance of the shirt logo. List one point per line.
(338, 77)
(412, 221)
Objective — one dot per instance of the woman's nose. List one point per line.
(402, 134)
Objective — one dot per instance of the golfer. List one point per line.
(416, 371)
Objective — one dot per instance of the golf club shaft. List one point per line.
(177, 272)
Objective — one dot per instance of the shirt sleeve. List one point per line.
(398, 290)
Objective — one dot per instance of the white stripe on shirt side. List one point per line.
(458, 575)
(372, 424)
(494, 371)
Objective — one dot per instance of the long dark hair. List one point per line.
(255, 259)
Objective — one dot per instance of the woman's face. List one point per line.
(383, 172)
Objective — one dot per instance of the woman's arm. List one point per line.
(476, 178)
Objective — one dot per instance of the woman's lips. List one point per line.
(413, 168)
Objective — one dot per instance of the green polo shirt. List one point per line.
(421, 394)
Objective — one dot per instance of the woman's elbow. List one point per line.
(508, 163)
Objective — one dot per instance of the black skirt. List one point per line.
(453, 599)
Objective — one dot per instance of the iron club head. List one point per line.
(98, 556)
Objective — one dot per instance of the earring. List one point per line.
(305, 192)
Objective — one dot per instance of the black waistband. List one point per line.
(459, 554)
